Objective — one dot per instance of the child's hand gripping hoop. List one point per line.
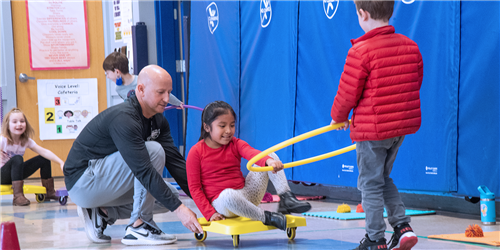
(295, 140)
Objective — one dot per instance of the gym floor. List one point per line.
(50, 225)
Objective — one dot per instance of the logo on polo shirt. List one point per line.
(330, 7)
(213, 17)
(265, 13)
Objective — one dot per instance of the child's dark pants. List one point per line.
(375, 160)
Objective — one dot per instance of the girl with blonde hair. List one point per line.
(14, 140)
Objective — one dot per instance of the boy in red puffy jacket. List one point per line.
(381, 82)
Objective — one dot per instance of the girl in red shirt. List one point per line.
(215, 179)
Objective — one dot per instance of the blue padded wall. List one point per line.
(429, 156)
(214, 60)
(281, 80)
(479, 106)
(323, 46)
(268, 74)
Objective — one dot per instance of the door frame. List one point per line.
(8, 69)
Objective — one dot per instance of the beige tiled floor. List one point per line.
(53, 226)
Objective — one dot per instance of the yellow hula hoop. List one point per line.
(295, 140)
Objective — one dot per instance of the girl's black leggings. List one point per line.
(16, 169)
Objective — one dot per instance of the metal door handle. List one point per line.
(24, 78)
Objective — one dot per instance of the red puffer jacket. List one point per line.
(381, 81)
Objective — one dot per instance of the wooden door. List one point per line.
(27, 96)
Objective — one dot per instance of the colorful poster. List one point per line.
(65, 106)
(117, 20)
(57, 33)
(122, 19)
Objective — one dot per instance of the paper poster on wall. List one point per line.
(117, 20)
(122, 19)
(57, 34)
(65, 106)
(126, 8)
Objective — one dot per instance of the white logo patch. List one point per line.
(154, 134)
(213, 17)
(330, 7)
(347, 168)
(265, 13)
(431, 170)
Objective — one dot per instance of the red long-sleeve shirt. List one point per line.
(210, 171)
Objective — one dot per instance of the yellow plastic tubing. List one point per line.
(295, 140)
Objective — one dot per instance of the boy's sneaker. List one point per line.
(403, 238)
(146, 235)
(367, 244)
(94, 224)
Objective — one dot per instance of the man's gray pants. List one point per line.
(375, 160)
(109, 183)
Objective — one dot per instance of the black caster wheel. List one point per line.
(63, 200)
(291, 233)
(200, 237)
(40, 198)
(236, 240)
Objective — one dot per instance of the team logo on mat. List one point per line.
(330, 7)
(265, 13)
(213, 17)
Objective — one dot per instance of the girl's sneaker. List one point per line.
(403, 238)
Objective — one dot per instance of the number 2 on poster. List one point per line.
(50, 115)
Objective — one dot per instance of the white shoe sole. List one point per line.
(142, 242)
(87, 223)
(407, 241)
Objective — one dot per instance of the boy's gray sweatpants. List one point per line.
(109, 183)
(244, 202)
(375, 160)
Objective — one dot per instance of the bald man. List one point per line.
(114, 167)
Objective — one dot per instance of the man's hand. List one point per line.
(345, 127)
(216, 216)
(277, 165)
(188, 219)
